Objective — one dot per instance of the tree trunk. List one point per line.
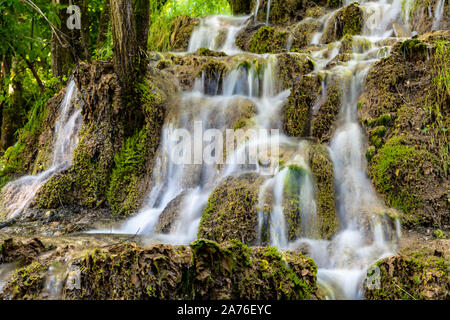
(62, 58)
(84, 32)
(130, 26)
(125, 41)
(13, 110)
(142, 20)
(103, 25)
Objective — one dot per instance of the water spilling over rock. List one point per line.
(17, 195)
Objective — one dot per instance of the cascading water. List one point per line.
(362, 238)
(17, 195)
(438, 13)
(217, 33)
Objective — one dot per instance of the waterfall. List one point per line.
(180, 191)
(255, 18)
(217, 33)
(268, 11)
(438, 13)
(17, 195)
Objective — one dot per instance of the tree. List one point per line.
(130, 24)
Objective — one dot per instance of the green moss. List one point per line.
(209, 53)
(334, 3)
(414, 49)
(379, 131)
(268, 40)
(371, 151)
(412, 275)
(396, 163)
(323, 173)
(383, 120)
(27, 282)
(129, 167)
(233, 202)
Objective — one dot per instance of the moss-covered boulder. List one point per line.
(281, 12)
(298, 110)
(231, 212)
(263, 39)
(26, 283)
(403, 110)
(347, 21)
(167, 218)
(303, 32)
(291, 67)
(326, 112)
(411, 275)
(323, 173)
(182, 28)
(205, 270)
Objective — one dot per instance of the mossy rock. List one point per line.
(347, 21)
(240, 7)
(291, 67)
(297, 112)
(322, 124)
(412, 275)
(232, 203)
(323, 173)
(406, 163)
(398, 162)
(167, 218)
(26, 283)
(282, 12)
(303, 32)
(269, 40)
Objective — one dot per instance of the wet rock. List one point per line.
(422, 15)
(19, 252)
(347, 21)
(326, 111)
(166, 220)
(232, 203)
(240, 7)
(291, 67)
(303, 32)
(284, 12)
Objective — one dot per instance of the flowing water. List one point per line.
(363, 237)
(17, 195)
(438, 13)
(180, 189)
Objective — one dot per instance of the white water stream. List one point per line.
(18, 194)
